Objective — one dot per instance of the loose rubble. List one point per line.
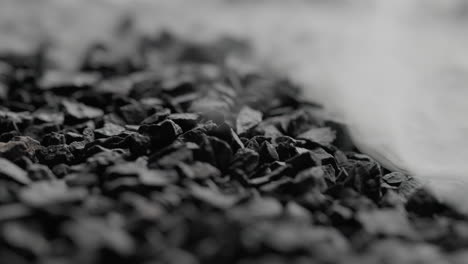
(171, 155)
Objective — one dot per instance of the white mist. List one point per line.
(404, 88)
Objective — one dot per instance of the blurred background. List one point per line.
(296, 37)
(309, 40)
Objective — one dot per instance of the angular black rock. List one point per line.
(10, 172)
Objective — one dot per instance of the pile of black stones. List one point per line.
(166, 153)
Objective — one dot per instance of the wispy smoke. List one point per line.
(402, 88)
